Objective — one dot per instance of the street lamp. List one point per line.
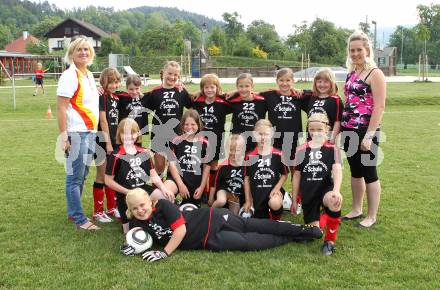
(204, 29)
(375, 34)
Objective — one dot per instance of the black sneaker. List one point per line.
(328, 248)
(312, 231)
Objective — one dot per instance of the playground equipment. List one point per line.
(121, 62)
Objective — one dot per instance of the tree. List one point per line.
(38, 48)
(45, 25)
(265, 36)
(5, 35)
(233, 27)
(365, 27)
(322, 41)
(217, 38)
(128, 35)
(233, 30)
(110, 45)
(187, 30)
(301, 39)
(243, 46)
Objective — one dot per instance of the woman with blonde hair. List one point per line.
(78, 116)
(365, 92)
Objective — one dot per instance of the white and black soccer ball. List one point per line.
(287, 201)
(245, 214)
(187, 207)
(139, 239)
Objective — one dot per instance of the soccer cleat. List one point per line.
(312, 231)
(298, 209)
(102, 217)
(328, 248)
(114, 212)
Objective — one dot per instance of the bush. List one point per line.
(214, 50)
(259, 53)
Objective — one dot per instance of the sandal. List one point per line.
(88, 226)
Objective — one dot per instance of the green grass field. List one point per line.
(40, 249)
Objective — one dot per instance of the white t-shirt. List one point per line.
(83, 109)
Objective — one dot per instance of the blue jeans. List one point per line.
(82, 146)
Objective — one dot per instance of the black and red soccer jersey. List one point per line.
(230, 178)
(130, 171)
(264, 172)
(135, 108)
(245, 114)
(168, 104)
(166, 218)
(284, 112)
(190, 158)
(213, 115)
(108, 103)
(315, 165)
(331, 106)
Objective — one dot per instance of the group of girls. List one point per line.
(259, 154)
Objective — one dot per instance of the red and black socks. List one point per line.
(98, 197)
(333, 220)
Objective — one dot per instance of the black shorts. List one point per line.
(362, 164)
(39, 81)
(159, 144)
(100, 153)
(262, 208)
(312, 205)
(215, 151)
(191, 190)
(231, 196)
(289, 147)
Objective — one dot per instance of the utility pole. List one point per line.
(375, 34)
(401, 50)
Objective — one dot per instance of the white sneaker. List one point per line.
(102, 217)
(114, 212)
(298, 209)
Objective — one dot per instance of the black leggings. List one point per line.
(362, 164)
(240, 234)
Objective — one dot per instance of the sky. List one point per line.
(283, 14)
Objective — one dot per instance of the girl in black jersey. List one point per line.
(205, 228)
(318, 177)
(188, 170)
(106, 143)
(167, 101)
(134, 103)
(247, 108)
(228, 186)
(284, 112)
(212, 108)
(265, 175)
(131, 167)
(325, 100)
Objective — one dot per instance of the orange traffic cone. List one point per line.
(49, 113)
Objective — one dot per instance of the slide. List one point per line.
(129, 70)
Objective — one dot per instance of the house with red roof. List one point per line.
(19, 45)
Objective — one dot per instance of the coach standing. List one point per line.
(365, 92)
(78, 113)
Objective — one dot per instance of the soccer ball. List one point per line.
(187, 207)
(287, 201)
(246, 215)
(139, 240)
